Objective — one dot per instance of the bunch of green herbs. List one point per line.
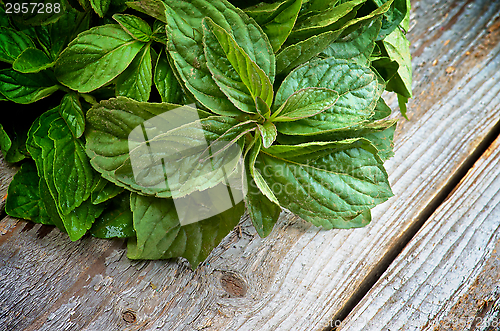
(297, 84)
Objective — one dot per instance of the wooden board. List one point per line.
(448, 277)
(298, 278)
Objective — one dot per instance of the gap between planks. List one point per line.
(440, 198)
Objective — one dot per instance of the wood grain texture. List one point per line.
(299, 277)
(448, 277)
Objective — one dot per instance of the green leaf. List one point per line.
(136, 81)
(56, 36)
(380, 134)
(405, 24)
(153, 8)
(4, 18)
(268, 133)
(116, 221)
(356, 46)
(184, 31)
(72, 113)
(398, 49)
(72, 174)
(13, 141)
(49, 205)
(329, 20)
(385, 68)
(257, 176)
(104, 190)
(357, 86)
(305, 103)
(402, 101)
(235, 73)
(100, 6)
(382, 110)
(112, 51)
(160, 235)
(263, 212)
(134, 26)
(264, 12)
(66, 174)
(32, 60)
(321, 181)
(5, 142)
(393, 16)
(165, 81)
(278, 29)
(23, 199)
(262, 108)
(299, 53)
(176, 133)
(26, 88)
(12, 44)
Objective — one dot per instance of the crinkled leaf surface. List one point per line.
(184, 30)
(356, 46)
(233, 71)
(84, 71)
(358, 90)
(161, 236)
(321, 180)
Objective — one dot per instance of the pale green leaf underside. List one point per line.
(321, 180)
(111, 146)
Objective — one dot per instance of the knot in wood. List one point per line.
(233, 284)
(129, 316)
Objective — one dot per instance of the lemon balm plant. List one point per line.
(294, 86)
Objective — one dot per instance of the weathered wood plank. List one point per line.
(299, 277)
(448, 277)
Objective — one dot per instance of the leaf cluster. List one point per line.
(295, 85)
